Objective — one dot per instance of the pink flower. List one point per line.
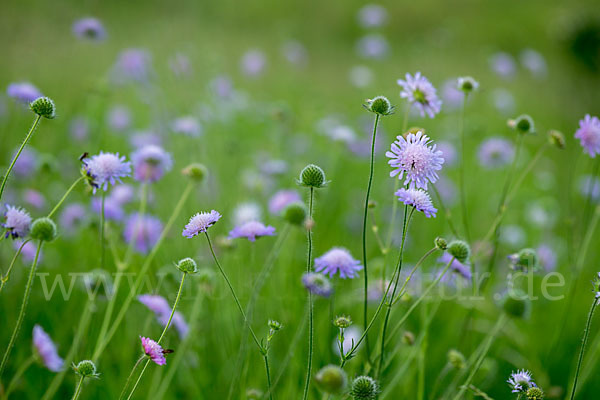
(153, 350)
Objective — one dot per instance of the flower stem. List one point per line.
(137, 382)
(463, 198)
(62, 200)
(266, 357)
(6, 277)
(14, 160)
(78, 389)
(364, 232)
(137, 363)
(174, 307)
(586, 333)
(13, 338)
(102, 239)
(310, 300)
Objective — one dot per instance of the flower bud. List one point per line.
(342, 321)
(408, 338)
(524, 260)
(295, 213)
(364, 388)
(467, 84)
(86, 368)
(522, 124)
(195, 171)
(516, 304)
(456, 359)
(43, 229)
(440, 243)
(379, 105)
(44, 107)
(414, 130)
(312, 176)
(459, 250)
(331, 379)
(372, 204)
(557, 139)
(534, 393)
(187, 266)
(275, 325)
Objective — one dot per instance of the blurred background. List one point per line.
(255, 91)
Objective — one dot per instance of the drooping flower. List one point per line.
(251, 230)
(153, 350)
(520, 381)
(200, 222)
(46, 349)
(23, 92)
(187, 125)
(89, 28)
(495, 152)
(419, 199)
(338, 260)
(160, 307)
(143, 230)
(150, 163)
(281, 200)
(17, 223)
(106, 168)
(589, 135)
(317, 284)
(421, 94)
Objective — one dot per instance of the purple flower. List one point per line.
(46, 349)
(372, 16)
(187, 125)
(589, 134)
(89, 28)
(547, 257)
(122, 194)
(118, 118)
(421, 94)
(17, 223)
(79, 128)
(141, 139)
(150, 163)
(534, 62)
(520, 381)
(251, 230)
(281, 200)
(23, 92)
(416, 158)
(589, 186)
(132, 65)
(159, 306)
(253, 63)
(200, 222)
(503, 64)
(462, 270)
(143, 230)
(26, 164)
(495, 152)
(338, 260)
(448, 152)
(153, 350)
(72, 217)
(504, 101)
(317, 284)
(447, 190)
(34, 198)
(373, 46)
(112, 209)
(105, 169)
(419, 199)
(222, 87)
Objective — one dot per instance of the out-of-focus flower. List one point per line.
(417, 198)
(72, 217)
(589, 135)
(589, 186)
(119, 118)
(251, 230)
(187, 125)
(23, 92)
(143, 230)
(180, 65)
(495, 152)
(534, 62)
(503, 101)
(246, 212)
(372, 16)
(34, 198)
(132, 65)
(46, 349)
(113, 210)
(200, 222)
(222, 87)
(317, 284)
(547, 257)
(338, 261)
(145, 138)
(150, 163)
(17, 222)
(28, 251)
(153, 350)
(503, 64)
(360, 76)
(89, 28)
(106, 169)
(79, 127)
(512, 235)
(26, 164)
(448, 152)
(295, 52)
(453, 97)
(352, 335)
(373, 46)
(160, 307)
(421, 94)
(281, 200)
(462, 269)
(253, 63)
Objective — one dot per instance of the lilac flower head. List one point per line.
(503, 64)
(415, 157)
(132, 65)
(373, 46)
(495, 152)
(589, 135)
(153, 350)
(421, 94)
(317, 284)
(17, 223)
(160, 307)
(187, 125)
(419, 199)
(534, 62)
(106, 168)
(372, 16)
(547, 257)
(89, 28)
(46, 349)
(34, 198)
(143, 138)
(281, 200)
(200, 222)
(253, 63)
(79, 128)
(520, 381)
(143, 230)
(122, 194)
(338, 260)
(118, 118)
(150, 163)
(251, 230)
(23, 92)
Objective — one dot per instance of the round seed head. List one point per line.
(459, 250)
(295, 213)
(43, 229)
(188, 266)
(86, 368)
(364, 388)
(534, 393)
(312, 176)
(342, 321)
(331, 379)
(379, 105)
(44, 107)
(195, 171)
(456, 359)
(441, 243)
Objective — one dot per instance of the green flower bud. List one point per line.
(312, 176)
(86, 368)
(364, 388)
(342, 321)
(522, 124)
(379, 105)
(456, 359)
(459, 250)
(331, 379)
(295, 213)
(516, 305)
(44, 107)
(43, 229)
(557, 139)
(467, 84)
(195, 171)
(188, 266)
(408, 338)
(524, 260)
(440, 243)
(534, 393)
(275, 325)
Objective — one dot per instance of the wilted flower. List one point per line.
(17, 223)
(46, 349)
(150, 163)
(495, 152)
(317, 284)
(421, 94)
(89, 28)
(414, 157)
(160, 307)
(338, 260)
(187, 125)
(106, 168)
(419, 199)
(23, 92)
(143, 230)
(200, 222)
(281, 200)
(520, 381)
(153, 350)
(589, 135)
(251, 230)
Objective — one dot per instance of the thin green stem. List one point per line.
(173, 310)
(463, 198)
(364, 232)
(586, 333)
(265, 356)
(137, 363)
(78, 389)
(15, 333)
(14, 160)
(102, 239)
(137, 382)
(22, 368)
(6, 277)
(310, 300)
(62, 200)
